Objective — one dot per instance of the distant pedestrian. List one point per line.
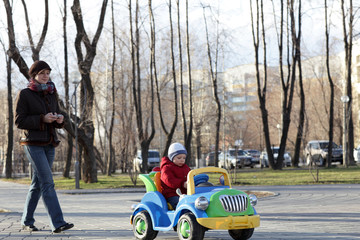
(174, 173)
(37, 114)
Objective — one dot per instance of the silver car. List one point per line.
(317, 151)
(230, 159)
(153, 159)
(357, 154)
(265, 161)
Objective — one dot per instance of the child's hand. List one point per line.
(185, 184)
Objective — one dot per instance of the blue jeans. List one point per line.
(173, 201)
(42, 185)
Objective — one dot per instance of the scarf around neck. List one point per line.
(48, 87)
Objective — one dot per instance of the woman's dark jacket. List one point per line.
(31, 107)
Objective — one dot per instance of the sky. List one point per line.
(233, 16)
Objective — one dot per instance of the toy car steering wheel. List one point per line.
(201, 178)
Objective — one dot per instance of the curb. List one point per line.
(96, 191)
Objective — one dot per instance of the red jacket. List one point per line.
(172, 177)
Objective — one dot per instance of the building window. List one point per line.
(358, 59)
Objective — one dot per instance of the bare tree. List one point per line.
(169, 133)
(36, 49)
(87, 91)
(288, 86)
(188, 136)
(297, 41)
(202, 117)
(13, 50)
(111, 161)
(124, 133)
(288, 82)
(182, 103)
(348, 43)
(331, 83)
(15, 55)
(66, 172)
(261, 83)
(144, 136)
(187, 131)
(213, 68)
(10, 132)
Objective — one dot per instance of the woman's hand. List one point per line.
(60, 118)
(50, 117)
(185, 185)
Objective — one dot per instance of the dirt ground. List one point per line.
(261, 194)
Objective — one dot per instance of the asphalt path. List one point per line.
(295, 212)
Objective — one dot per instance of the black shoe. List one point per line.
(64, 227)
(30, 228)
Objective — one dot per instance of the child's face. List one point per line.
(179, 159)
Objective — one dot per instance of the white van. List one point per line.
(153, 159)
(357, 154)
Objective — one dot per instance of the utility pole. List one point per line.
(77, 165)
(345, 99)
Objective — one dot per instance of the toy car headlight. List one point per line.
(253, 199)
(133, 206)
(201, 203)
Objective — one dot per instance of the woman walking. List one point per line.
(37, 114)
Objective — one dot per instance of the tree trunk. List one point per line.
(288, 92)
(331, 84)
(214, 81)
(189, 135)
(299, 135)
(261, 84)
(198, 142)
(144, 137)
(169, 133)
(348, 42)
(70, 144)
(182, 102)
(10, 132)
(87, 91)
(111, 163)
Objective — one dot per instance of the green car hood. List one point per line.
(216, 208)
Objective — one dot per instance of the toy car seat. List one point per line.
(157, 182)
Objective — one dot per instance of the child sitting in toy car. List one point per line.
(174, 173)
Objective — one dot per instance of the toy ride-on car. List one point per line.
(210, 203)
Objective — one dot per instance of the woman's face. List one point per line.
(43, 76)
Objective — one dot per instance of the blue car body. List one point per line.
(227, 208)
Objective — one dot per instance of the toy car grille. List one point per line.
(236, 203)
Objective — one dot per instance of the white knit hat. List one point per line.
(176, 149)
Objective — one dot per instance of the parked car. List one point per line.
(357, 154)
(317, 151)
(255, 154)
(210, 204)
(153, 159)
(228, 159)
(210, 159)
(265, 161)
